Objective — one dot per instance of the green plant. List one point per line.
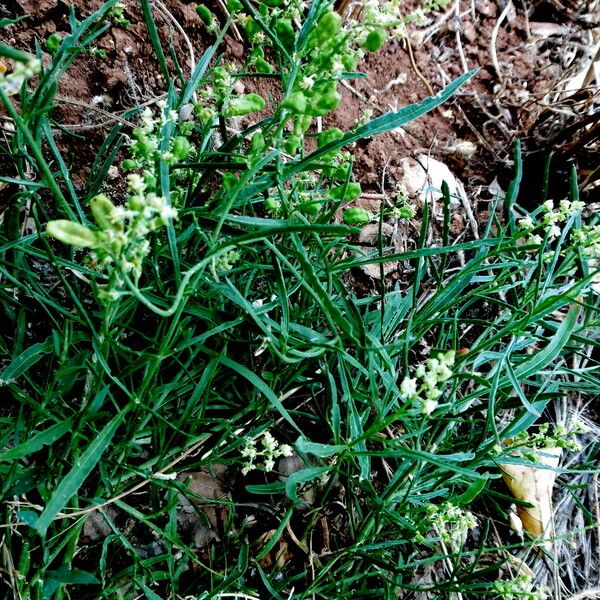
(211, 306)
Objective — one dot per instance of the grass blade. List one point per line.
(68, 487)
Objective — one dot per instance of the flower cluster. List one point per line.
(550, 223)
(267, 451)
(146, 141)
(560, 437)
(519, 588)
(588, 239)
(380, 20)
(221, 98)
(427, 385)
(376, 18)
(226, 262)
(121, 243)
(450, 523)
(403, 209)
(22, 70)
(117, 13)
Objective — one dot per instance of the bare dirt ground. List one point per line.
(538, 81)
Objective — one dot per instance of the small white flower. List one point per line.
(554, 231)
(408, 387)
(249, 452)
(337, 68)
(286, 450)
(307, 83)
(167, 212)
(269, 442)
(536, 239)
(428, 406)
(136, 183)
(444, 373)
(430, 380)
(526, 222)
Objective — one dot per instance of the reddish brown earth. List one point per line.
(504, 101)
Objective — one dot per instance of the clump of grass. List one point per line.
(176, 326)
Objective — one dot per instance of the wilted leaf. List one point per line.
(210, 487)
(533, 486)
(96, 526)
(279, 555)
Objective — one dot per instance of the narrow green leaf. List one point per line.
(543, 358)
(25, 361)
(512, 193)
(68, 487)
(6, 22)
(262, 387)
(37, 442)
(155, 40)
(316, 449)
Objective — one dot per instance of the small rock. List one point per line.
(236, 48)
(423, 179)
(370, 235)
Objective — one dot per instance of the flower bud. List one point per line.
(375, 40)
(329, 135)
(328, 26)
(129, 164)
(181, 147)
(205, 15)
(310, 208)
(53, 43)
(292, 144)
(295, 103)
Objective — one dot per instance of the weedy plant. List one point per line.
(199, 319)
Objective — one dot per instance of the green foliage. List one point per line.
(210, 308)
(53, 43)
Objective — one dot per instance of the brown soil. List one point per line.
(504, 101)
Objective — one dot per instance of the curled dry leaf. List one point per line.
(533, 486)
(210, 487)
(279, 555)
